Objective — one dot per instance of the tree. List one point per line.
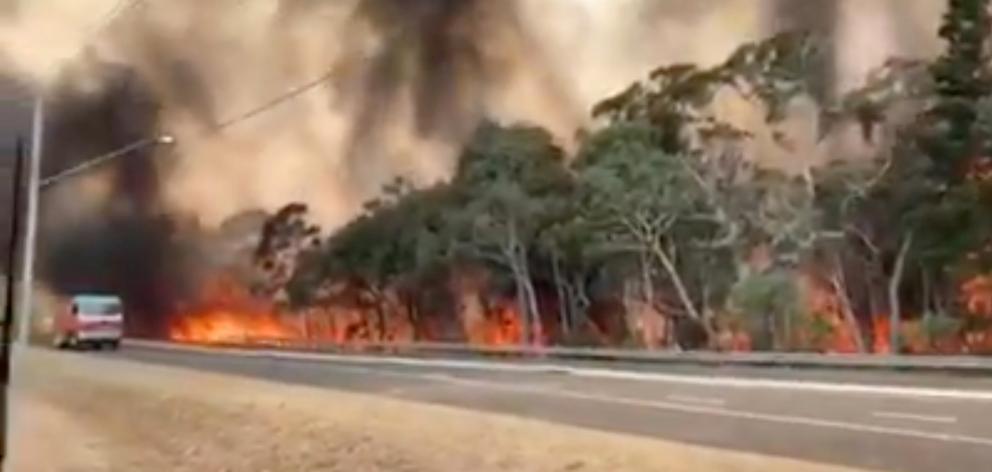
(962, 80)
(286, 236)
(677, 99)
(702, 201)
(770, 305)
(510, 184)
(645, 201)
(917, 207)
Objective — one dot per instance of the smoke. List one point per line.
(275, 101)
(406, 80)
(820, 17)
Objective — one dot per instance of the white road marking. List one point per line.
(697, 400)
(712, 411)
(914, 417)
(678, 407)
(661, 405)
(776, 384)
(683, 379)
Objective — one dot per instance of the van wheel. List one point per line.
(58, 341)
(113, 345)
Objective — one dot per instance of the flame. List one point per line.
(227, 313)
(504, 326)
(824, 305)
(980, 169)
(882, 329)
(219, 326)
(500, 326)
(976, 296)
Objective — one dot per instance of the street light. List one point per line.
(165, 139)
(35, 185)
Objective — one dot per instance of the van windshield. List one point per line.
(99, 307)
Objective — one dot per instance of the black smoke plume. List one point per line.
(126, 247)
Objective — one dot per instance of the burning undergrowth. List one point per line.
(225, 311)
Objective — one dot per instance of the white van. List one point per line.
(90, 321)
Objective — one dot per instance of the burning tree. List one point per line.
(914, 210)
(512, 183)
(286, 236)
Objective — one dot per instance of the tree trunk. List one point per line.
(534, 313)
(680, 289)
(895, 315)
(579, 301)
(839, 283)
(647, 287)
(412, 315)
(380, 300)
(526, 294)
(563, 302)
(521, 303)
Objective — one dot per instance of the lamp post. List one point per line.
(27, 262)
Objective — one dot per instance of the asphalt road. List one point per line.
(881, 421)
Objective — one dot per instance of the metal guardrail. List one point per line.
(946, 364)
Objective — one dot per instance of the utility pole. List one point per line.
(8, 313)
(31, 229)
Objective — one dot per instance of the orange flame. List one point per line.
(499, 326)
(228, 313)
(881, 344)
(976, 296)
(824, 305)
(220, 326)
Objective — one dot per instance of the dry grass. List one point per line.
(107, 415)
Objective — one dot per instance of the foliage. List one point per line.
(661, 193)
(939, 327)
(644, 200)
(286, 237)
(962, 80)
(514, 185)
(676, 99)
(770, 304)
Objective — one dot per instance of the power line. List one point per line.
(120, 9)
(267, 106)
(167, 139)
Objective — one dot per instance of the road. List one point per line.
(893, 421)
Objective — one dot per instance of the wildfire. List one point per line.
(221, 326)
(976, 295)
(826, 308)
(227, 313)
(500, 325)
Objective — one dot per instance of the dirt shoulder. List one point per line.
(74, 412)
